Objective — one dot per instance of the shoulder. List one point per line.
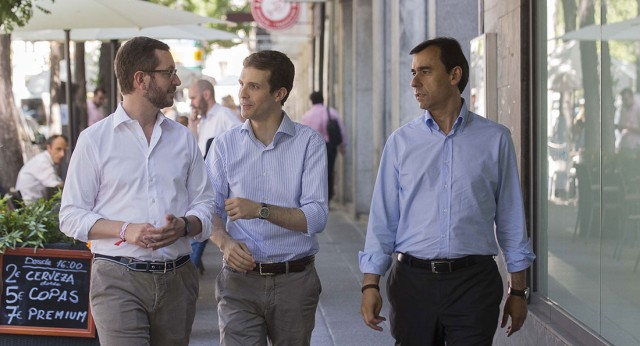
(305, 132)
(231, 135)
(480, 123)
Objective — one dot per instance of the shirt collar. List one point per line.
(460, 123)
(286, 126)
(120, 116)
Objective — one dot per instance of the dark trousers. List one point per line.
(459, 308)
(332, 153)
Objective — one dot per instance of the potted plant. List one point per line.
(33, 225)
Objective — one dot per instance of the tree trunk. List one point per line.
(608, 107)
(55, 87)
(105, 72)
(10, 148)
(569, 9)
(590, 82)
(80, 97)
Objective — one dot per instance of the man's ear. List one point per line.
(139, 80)
(281, 94)
(206, 94)
(456, 75)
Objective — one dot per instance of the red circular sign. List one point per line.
(275, 14)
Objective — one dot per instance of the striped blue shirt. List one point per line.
(290, 172)
(439, 196)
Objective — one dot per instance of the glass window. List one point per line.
(589, 159)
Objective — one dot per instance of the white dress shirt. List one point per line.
(115, 174)
(36, 176)
(218, 120)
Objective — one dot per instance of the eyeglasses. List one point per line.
(169, 73)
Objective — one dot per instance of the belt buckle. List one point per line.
(260, 269)
(435, 270)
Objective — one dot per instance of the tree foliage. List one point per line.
(214, 9)
(17, 13)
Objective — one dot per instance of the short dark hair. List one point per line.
(52, 138)
(451, 55)
(282, 71)
(100, 89)
(137, 54)
(316, 97)
(626, 91)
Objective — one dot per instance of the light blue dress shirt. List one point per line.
(290, 172)
(439, 196)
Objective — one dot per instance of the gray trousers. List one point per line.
(137, 308)
(259, 310)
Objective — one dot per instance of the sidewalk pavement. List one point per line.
(338, 320)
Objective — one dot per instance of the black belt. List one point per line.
(265, 268)
(442, 265)
(145, 266)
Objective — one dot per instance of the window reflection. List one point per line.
(593, 165)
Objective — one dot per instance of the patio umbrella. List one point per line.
(626, 30)
(189, 32)
(67, 15)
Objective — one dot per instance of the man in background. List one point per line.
(95, 110)
(208, 120)
(39, 174)
(629, 122)
(317, 118)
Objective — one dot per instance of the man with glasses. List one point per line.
(138, 189)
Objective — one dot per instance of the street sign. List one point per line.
(275, 14)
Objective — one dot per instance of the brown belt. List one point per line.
(295, 266)
(438, 266)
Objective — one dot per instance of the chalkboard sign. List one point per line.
(46, 292)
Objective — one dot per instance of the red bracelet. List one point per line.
(122, 230)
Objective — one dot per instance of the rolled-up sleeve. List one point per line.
(313, 200)
(80, 191)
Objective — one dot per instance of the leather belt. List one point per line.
(145, 266)
(438, 266)
(266, 268)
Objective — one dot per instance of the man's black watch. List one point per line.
(187, 226)
(264, 211)
(520, 293)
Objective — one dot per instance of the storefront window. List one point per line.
(589, 159)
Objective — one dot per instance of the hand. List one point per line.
(241, 208)
(166, 235)
(370, 308)
(516, 307)
(237, 256)
(137, 234)
(194, 116)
